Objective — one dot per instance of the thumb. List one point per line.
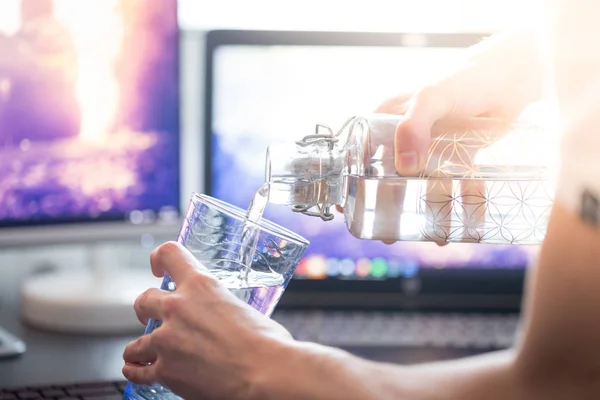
(413, 134)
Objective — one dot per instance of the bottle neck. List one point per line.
(305, 176)
(310, 173)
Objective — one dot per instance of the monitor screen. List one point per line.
(263, 94)
(89, 113)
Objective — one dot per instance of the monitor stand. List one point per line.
(97, 300)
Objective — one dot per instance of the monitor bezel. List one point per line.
(482, 290)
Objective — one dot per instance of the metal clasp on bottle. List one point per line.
(323, 211)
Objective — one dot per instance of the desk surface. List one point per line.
(53, 358)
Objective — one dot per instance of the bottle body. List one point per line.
(481, 182)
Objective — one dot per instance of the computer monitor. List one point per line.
(89, 144)
(263, 87)
(89, 120)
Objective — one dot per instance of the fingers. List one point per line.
(140, 351)
(149, 305)
(140, 361)
(140, 374)
(413, 134)
(438, 209)
(395, 105)
(474, 202)
(174, 259)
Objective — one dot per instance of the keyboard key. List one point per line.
(110, 397)
(29, 395)
(50, 393)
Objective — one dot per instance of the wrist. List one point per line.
(286, 373)
(300, 370)
(275, 374)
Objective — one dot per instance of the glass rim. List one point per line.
(240, 214)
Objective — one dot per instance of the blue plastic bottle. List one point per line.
(152, 392)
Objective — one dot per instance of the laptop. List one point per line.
(407, 302)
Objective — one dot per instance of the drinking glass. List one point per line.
(255, 260)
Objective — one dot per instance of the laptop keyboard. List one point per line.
(443, 330)
(83, 391)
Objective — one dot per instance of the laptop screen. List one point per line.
(265, 93)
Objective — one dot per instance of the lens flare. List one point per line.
(97, 31)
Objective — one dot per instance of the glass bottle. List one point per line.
(484, 180)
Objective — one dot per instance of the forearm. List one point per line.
(315, 372)
(559, 352)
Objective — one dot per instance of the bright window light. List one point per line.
(374, 15)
